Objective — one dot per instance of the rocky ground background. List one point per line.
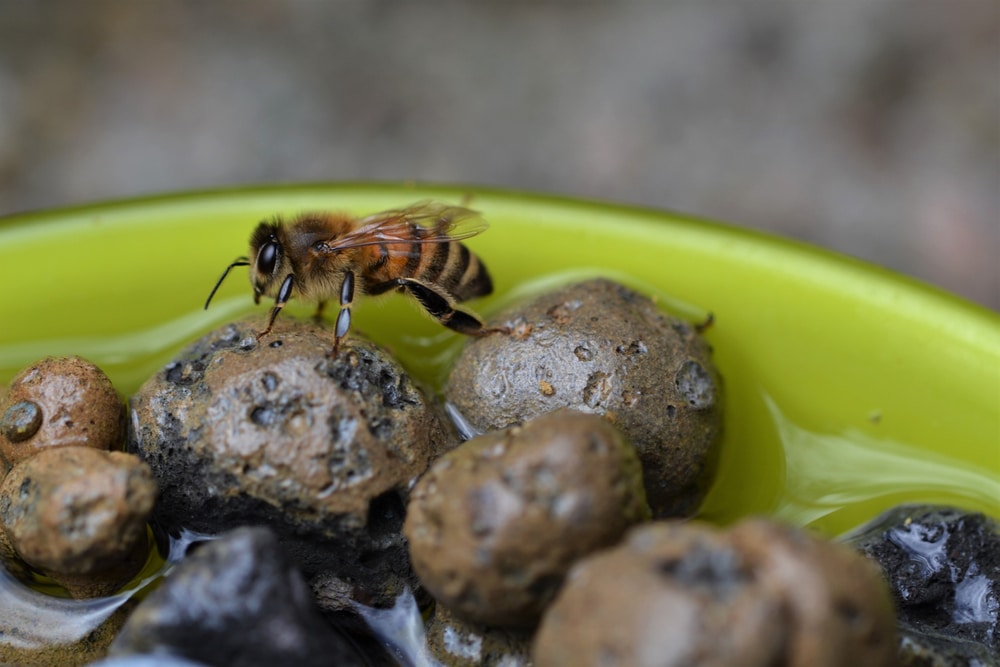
(871, 127)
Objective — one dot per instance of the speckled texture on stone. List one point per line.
(321, 450)
(760, 594)
(79, 515)
(457, 643)
(494, 525)
(59, 402)
(600, 347)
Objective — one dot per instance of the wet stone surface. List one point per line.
(457, 643)
(494, 525)
(321, 450)
(78, 515)
(40, 630)
(59, 402)
(237, 601)
(943, 566)
(599, 347)
(760, 594)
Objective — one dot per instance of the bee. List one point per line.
(416, 250)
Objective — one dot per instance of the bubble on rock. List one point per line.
(59, 402)
(21, 421)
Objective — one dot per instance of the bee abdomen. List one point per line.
(471, 279)
(450, 266)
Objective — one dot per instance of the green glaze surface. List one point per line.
(848, 388)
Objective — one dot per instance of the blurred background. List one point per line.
(871, 127)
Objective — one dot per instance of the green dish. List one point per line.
(849, 389)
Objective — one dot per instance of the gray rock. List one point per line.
(322, 450)
(599, 347)
(236, 602)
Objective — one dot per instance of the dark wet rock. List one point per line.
(59, 402)
(321, 450)
(943, 567)
(78, 515)
(599, 347)
(457, 643)
(685, 594)
(235, 602)
(494, 524)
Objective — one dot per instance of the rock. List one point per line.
(494, 525)
(323, 451)
(840, 610)
(59, 402)
(682, 594)
(79, 515)
(599, 347)
(159, 660)
(456, 643)
(943, 567)
(235, 602)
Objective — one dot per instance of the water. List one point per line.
(771, 464)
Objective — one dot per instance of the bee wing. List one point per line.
(423, 222)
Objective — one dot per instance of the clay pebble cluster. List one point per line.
(541, 516)
(71, 507)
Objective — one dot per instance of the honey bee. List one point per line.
(417, 250)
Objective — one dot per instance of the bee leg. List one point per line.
(344, 316)
(702, 327)
(284, 294)
(442, 308)
(318, 315)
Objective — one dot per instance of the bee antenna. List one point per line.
(239, 261)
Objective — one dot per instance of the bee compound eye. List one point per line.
(267, 257)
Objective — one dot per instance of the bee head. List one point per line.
(267, 253)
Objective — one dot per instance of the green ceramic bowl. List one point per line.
(849, 389)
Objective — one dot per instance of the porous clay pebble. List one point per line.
(457, 643)
(323, 450)
(59, 402)
(943, 567)
(599, 347)
(237, 600)
(494, 525)
(79, 515)
(688, 594)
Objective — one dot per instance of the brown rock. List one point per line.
(322, 450)
(841, 612)
(671, 594)
(79, 515)
(684, 594)
(59, 402)
(599, 347)
(494, 525)
(457, 643)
